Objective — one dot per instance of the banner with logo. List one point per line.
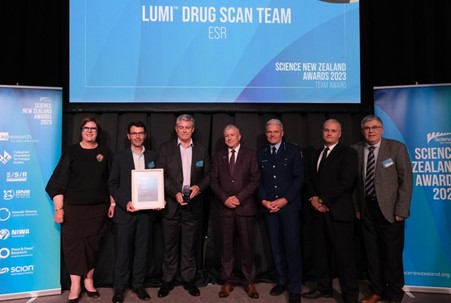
(30, 146)
(419, 116)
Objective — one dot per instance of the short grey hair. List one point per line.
(185, 117)
(332, 121)
(231, 126)
(274, 121)
(370, 118)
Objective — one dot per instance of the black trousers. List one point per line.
(384, 244)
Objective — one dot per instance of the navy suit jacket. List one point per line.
(335, 182)
(242, 184)
(120, 181)
(282, 175)
(171, 161)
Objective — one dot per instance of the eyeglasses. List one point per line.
(137, 134)
(372, 128)
(87, 129)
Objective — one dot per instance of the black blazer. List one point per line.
(120, 181)
(335, 182)
(170, 160)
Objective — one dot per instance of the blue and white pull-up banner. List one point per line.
(225, 51)
(419, 116)
(30, 146)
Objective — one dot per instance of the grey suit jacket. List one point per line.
(393, 179)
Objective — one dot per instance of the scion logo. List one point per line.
(4, 214)
(5, 157)
(439, 137)
(22, 270)
(8, 194)
(4, 270)
(4, 234)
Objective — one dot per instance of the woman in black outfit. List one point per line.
(78, 188)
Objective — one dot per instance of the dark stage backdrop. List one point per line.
(403, 42)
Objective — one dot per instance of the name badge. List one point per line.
(388, 162)
(151, 164)
(200, 163)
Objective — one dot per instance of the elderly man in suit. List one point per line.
(235, 176)
(384, 191)
(282, 169)
(186, 167)
(330, 185)
(132, 227)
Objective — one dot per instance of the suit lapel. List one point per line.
(193, 158)
(178, 157)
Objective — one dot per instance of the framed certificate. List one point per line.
(148, 188)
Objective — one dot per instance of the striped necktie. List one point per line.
(370, 169)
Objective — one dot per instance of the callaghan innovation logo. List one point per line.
(5, 157)
(439, 137)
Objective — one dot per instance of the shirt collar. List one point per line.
(179, 142)
(237, 149)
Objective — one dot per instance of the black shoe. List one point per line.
(76, 300)
(294, 298)
(93, 294)
(278, 290)
(118, 297)
(141, 293)
(165, 289)
(315, 294)
(192, 289)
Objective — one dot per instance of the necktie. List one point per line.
(370, 169)
(232, 162)
(273, 151)
(323, 158)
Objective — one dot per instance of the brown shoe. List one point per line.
(371, 299)
(251, 291)
(226, 289)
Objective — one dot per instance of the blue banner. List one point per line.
(419, 116)
(30, 146)
(285, 51)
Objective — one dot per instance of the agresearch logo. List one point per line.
(439, 137)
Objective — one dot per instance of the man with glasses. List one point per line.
(186, 167)
(132, 227)
(384, 190)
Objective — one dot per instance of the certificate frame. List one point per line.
(148, 188)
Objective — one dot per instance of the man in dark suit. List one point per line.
(234, 178)
(383, 204)
(187, 174)
(330, 185)
(131, 229)
(282, 169)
